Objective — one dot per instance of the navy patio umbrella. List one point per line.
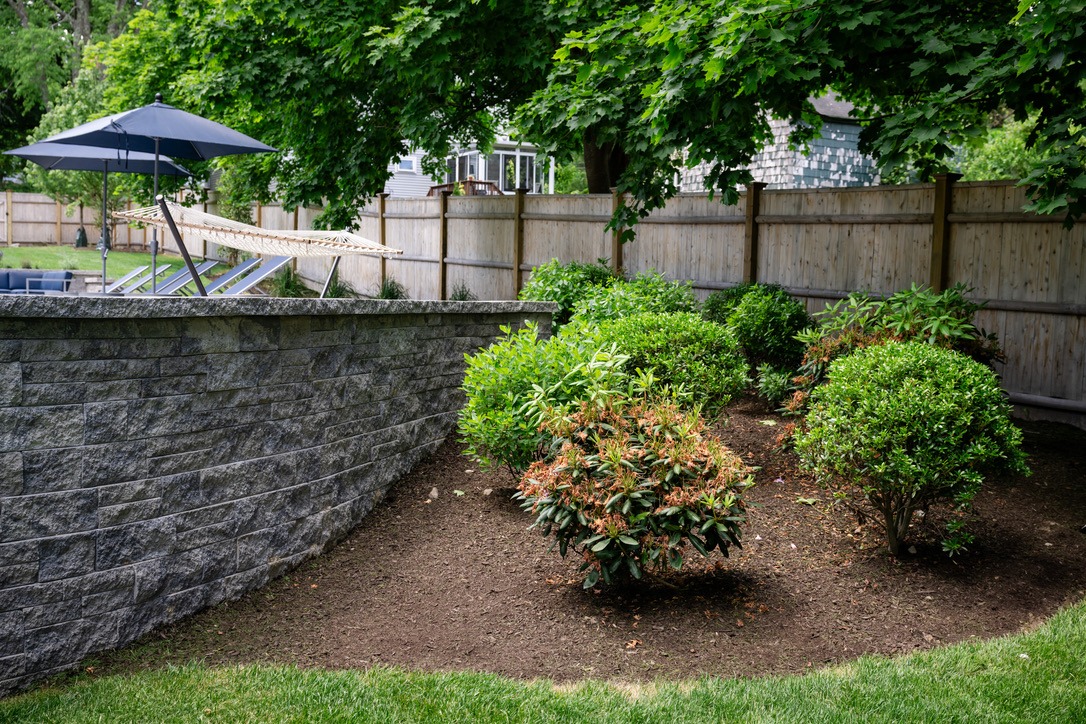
(70, 157)
(157, 129)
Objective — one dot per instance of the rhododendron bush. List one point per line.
(633, 482)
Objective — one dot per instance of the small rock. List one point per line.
(912, 550)
(1024, 656)
(757, 537)
(488, 491)
(929, 638)
(433, 494)
(793, 545)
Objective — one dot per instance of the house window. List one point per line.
(407, 164)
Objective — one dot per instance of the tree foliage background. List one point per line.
(637, 90)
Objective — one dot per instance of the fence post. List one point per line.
(9, 224)
(443, 245)
(381, 236)
(616, 234)
(60, 231)
(940, 230)
(518, 239)
(750, 242)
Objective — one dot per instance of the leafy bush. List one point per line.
(647, 292)
(773, 384)
(682, 349)
(631, 481)
(901, 426)
(858, 321)
(719, 305)
(766, 321)
(501, 380)
(565, 284)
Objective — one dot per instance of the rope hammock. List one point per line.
(227, 232)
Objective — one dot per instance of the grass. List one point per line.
(1038, 676)
(118, 263)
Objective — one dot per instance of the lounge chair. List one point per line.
(183, 278)
(217, 284)
(269, 267)
(144, 279)
(117, 285)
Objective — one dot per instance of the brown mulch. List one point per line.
(460, 583)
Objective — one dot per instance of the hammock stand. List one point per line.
(227, 232)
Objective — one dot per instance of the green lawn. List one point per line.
(1034, 677)
(118, 263)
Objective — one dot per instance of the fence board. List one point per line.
(819, 243)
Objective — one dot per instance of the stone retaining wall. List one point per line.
(158, 456)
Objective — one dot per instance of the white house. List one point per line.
(509, 165)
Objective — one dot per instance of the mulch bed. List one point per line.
(460, 583)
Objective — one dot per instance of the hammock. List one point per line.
(226, 232)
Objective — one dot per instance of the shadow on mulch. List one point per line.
(460, 583)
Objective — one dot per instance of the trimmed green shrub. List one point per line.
(719, 305)
(501, 380)
(773, 385)
(287, 283)
(858, 321)
(565, 284)
(901, 426)
(683, 350)
(766, 321)
(631, 483)
(647, 292)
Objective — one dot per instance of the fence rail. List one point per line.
(818, 244)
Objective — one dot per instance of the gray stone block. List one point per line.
(107, 601)
(131, 512)
(206, 536)
(65, 557)
(29, 428)
(177, 385)
(11, 348)
(258, 333)
(113, 463)
(11, 383)
(211, 335)
(12, 667)
(201, 517)
(135, 542)
(18, 574)
(43, 516)
(105, 422)
(46, 471)
(11, 474)
(110, 495)
(11, 633)
(53, 613)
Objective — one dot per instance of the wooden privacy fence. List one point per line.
(819, 244)
(37, 220)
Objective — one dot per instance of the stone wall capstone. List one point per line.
(158, 456)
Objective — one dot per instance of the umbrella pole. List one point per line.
(154, 231)
(105, 210)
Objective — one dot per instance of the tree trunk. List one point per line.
(603, 164)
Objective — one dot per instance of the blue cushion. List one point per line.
(17, 279)
(52, 281)
(4, 281)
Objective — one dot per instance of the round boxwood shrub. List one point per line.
(766, 321)
(565, 284)
(682, 349)
(647, 292)
(901, 426)
(631, 483)
(501, 381)
(719, 305)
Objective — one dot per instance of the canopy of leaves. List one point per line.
(41, 46)
(691, 82)
(346, 87)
